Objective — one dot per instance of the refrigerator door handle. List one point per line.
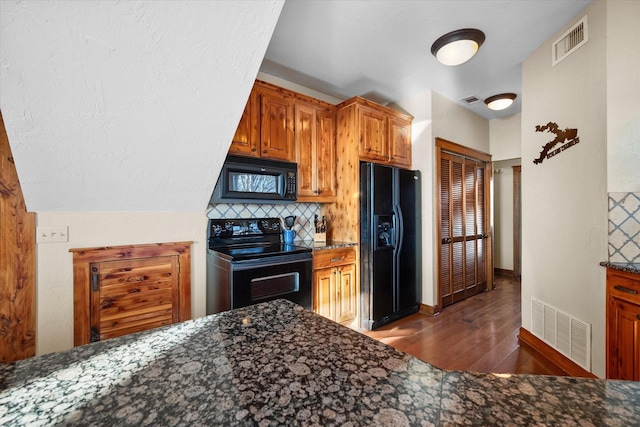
(399, 228)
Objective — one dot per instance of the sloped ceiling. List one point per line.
(126, 106)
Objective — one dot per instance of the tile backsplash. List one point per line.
(303, 211)
(624, 227)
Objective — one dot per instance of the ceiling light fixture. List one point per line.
(457, 47)
(500, 102)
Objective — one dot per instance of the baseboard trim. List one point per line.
(429, 310)
(502, 272)
(559, 359)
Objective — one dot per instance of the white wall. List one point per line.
(503, 213)
(505, 138)
(423, 151)
(564, 200)
(436, 116)
(54, 266)
(457, 124)
(113, 106)
(623, 87)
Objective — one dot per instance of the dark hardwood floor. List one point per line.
(478, 334)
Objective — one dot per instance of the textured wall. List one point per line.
(564, 199)
(126, 106)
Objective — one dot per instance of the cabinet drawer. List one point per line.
(333, 257)
(623, 285)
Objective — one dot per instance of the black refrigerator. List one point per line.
(390, 239)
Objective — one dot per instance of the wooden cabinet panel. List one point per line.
(623, 325)
(276, 125)
(315, 152)
(324, 298)
(133, 295)
(124, 289)
(373, 135)
(246, 140)
(346, 294)
(266, 127)
(326, 156)
(335, 284)
(400, 141)
(306, 145)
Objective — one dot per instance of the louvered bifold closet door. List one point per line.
(463, 246)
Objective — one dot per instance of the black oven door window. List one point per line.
(289, 280)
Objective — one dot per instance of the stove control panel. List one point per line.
(230, 228)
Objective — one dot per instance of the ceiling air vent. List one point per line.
(470, 99)
(569, 42)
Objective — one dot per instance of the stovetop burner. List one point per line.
(243, 239)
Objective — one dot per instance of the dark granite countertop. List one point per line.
(629, 267)
(278, 364)
(329, 244)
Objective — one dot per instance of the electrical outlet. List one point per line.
(52, 234)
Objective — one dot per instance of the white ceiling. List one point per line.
(382, 49)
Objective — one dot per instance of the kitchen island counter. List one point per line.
(278, 364)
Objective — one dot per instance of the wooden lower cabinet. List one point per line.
(623, 325)
(125, 289)
(335, 284)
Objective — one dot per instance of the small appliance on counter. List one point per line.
(320, 230)
(288, 233)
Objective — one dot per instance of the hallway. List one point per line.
(478, 334)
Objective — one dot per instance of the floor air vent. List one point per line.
(568, 335)
(569, 42)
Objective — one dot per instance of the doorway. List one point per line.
(464, 234)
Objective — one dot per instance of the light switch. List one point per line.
(52, 234)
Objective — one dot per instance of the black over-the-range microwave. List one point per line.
(251, 180)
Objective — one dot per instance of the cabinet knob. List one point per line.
(254, 149)
(626, 290)
(265, 151)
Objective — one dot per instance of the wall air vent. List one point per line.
(470, 99)
(566, 334)
(569, 42)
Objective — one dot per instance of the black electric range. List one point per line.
(247, 263)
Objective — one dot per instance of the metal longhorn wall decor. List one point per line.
(567, 137)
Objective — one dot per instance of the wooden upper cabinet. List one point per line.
(315, 151)
(246, 140)
(276, 125)
(384, 134)
(326, 153)
(400, 141)
(373, 135)
(266, 127)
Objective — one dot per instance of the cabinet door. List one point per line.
(326, 155)
(306, 149)
(133, 295)
(373, 135)
(400, 142)
(276, 125)
(346, 295)
(247, 137)
(324, 298)
(624, 340)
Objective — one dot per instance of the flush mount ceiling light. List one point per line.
(500, 102)
(457, 47)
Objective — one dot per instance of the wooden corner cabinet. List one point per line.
(335, 284)
(266, 127)
(124, 289)
(623, 325)
(315, 147)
